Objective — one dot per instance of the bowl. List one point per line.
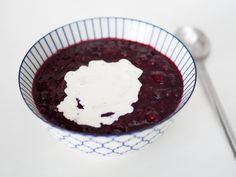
(107, 27)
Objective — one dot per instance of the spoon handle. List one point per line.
(211, 93)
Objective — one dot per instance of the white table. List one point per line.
(193, 146)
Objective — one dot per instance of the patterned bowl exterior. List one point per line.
(107, 27)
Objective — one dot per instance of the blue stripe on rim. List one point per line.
(172, 53)
(94, 33)
(151, 36)
(122, 18)
(72, 33)
(65, 36)
(167, 50)
(43, 49)
(164, 42)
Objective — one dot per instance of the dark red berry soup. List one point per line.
(107, 86)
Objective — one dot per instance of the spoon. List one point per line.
(199, 46)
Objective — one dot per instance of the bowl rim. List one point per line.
(109, 135)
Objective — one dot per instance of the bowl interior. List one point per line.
(106, 27)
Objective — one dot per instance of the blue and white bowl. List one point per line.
(113, 27)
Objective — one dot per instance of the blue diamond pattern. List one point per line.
(109, 145)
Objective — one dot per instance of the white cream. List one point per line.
(101, 87)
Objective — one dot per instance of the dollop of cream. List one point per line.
(102, 88)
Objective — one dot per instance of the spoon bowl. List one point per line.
(196, 41)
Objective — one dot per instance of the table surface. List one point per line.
(193, 146)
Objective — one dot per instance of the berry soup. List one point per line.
(107, 86)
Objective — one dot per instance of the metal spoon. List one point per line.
(198, 44)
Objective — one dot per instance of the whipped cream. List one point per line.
(103, 89)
